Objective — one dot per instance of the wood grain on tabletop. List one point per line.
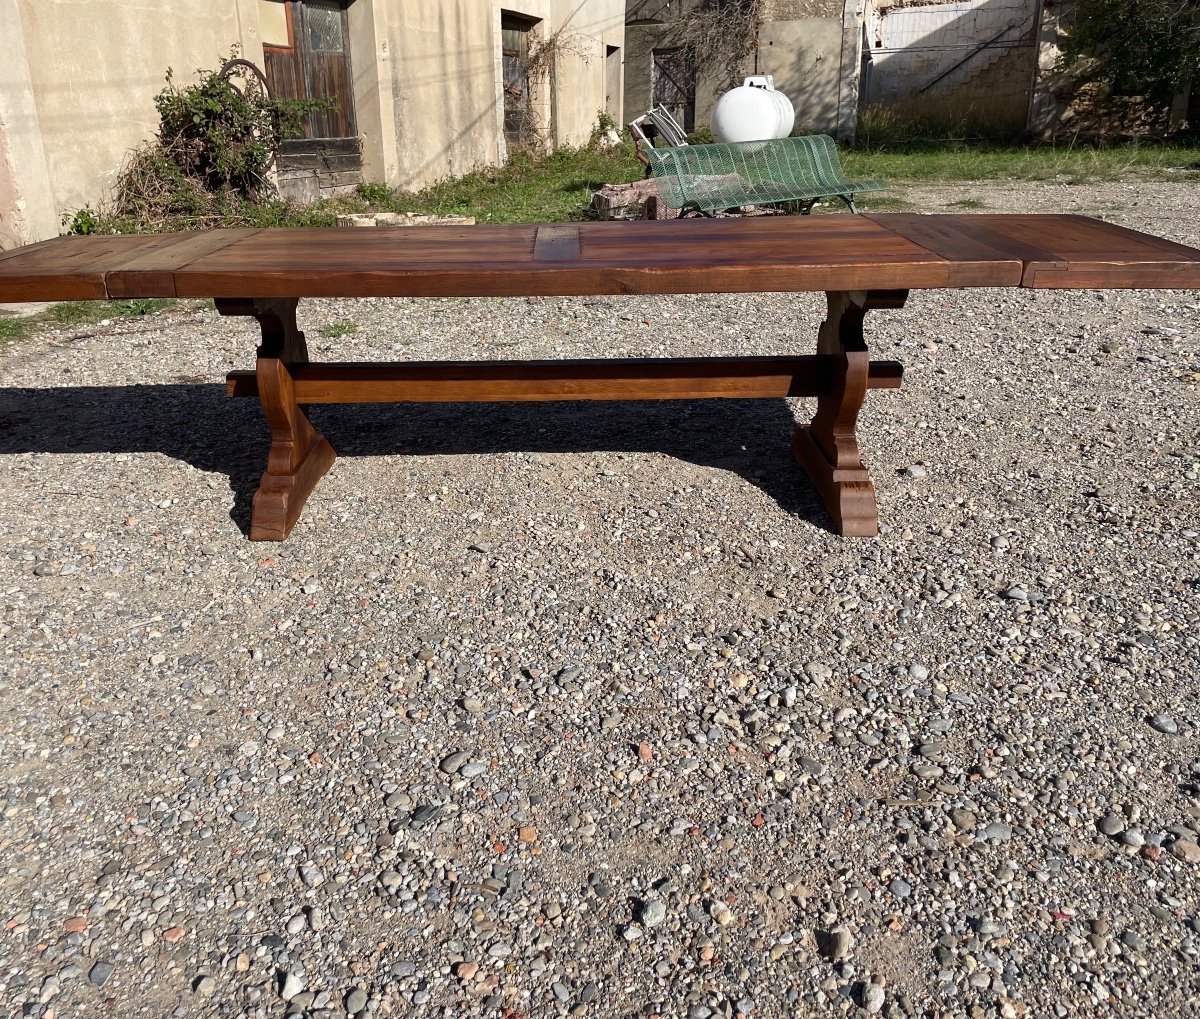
(69, 268)
(786, 253)
(730, 255)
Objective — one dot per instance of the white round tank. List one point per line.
(752, 112)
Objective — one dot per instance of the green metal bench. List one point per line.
(706, 178)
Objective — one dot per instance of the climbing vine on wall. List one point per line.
(718, 37)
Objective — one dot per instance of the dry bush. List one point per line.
(719, 36)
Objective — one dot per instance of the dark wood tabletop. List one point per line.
(769, 253)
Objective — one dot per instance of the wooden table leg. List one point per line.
(299, 454)
(827, 447)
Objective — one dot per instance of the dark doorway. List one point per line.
(612, 82)
(674, 86)
(515, 33)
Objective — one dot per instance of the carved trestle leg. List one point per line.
(827, 447)
(299, 454)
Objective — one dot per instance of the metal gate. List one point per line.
(957, 57)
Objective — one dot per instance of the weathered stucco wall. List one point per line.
(444, 115)
(640, 41)
(804, 57)
(27, 209)
(79, 79)
(95, 70)
(967, 63)
(589, 30)
(446, 82)
(372, 65)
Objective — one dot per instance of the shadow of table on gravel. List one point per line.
(197, 424)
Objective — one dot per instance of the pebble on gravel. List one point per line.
(100, 972)
(453, 762)
(293, 984)
(654, 913)
(1186, 850)
(837, 943)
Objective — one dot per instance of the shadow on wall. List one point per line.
(804, 57)
(817, 104)
(199, 425)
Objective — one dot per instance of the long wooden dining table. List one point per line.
(861, 263)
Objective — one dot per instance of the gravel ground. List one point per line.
(581, 709)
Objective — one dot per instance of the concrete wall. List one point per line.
(447, 112)
(640, 40)
(372, 62)
(429, 81)
(95, 70)
(77, 82)
(438, 103)
(27, 208)
(805, 58)
(588, 30)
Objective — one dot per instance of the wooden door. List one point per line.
(313, 62)
(514, 47)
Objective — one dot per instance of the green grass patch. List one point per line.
(876, 201)
(72, 312)
(12, 328)
(528, 189)
(75, 313)
(952, 161)
(338, 329)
